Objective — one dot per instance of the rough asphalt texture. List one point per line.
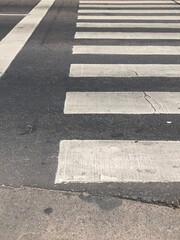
(33, 214)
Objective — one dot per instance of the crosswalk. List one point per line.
(91, 161)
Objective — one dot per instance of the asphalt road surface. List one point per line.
(90, 97)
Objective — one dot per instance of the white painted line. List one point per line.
(127, 6)
(147, 11)
(126, 25)
(128, 2)
(122, 103)
(98, 161)
(127, 35)
(121, 17)
(127, 50)
(12, 14)
(125, 70)
(11, 45)
(135, 1)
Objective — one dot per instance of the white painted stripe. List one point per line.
(127, 6)
(125, 70)
(124, 50)
(122, 102)
(128, 2)
(91, 161)
(126, 25)
(12, 14)
(18, 36)
(127, 35)
(135, 1)
(165, 11)
(121, 17)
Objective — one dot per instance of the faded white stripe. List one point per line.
(91, 161)
(129, 11)
(126, 25)
(127, 35)
(12, 14)
(18, 36)
(125, 70)
(124, 50)
(128, 2)
(122, 103)
(127, 6)
(121, 17)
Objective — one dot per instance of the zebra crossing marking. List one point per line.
(125, 70)
(128, 6)
(97, 161)
(147, 11)
(122, 103)
(124, 17)
(127, 2)
(128, 35)
(126, 25)
(126, 50)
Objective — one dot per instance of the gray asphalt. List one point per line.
(7, 24)
(32, 94)
(17, 6)
(31, 214)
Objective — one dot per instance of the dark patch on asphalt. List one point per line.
(67, 194)
(28, 129)
(48, 211)
(146, 171)
(105, 203)
(176, 166)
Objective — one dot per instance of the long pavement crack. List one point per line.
(146, 96)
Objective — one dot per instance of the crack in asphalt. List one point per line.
(146, 98)
(173, 204)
